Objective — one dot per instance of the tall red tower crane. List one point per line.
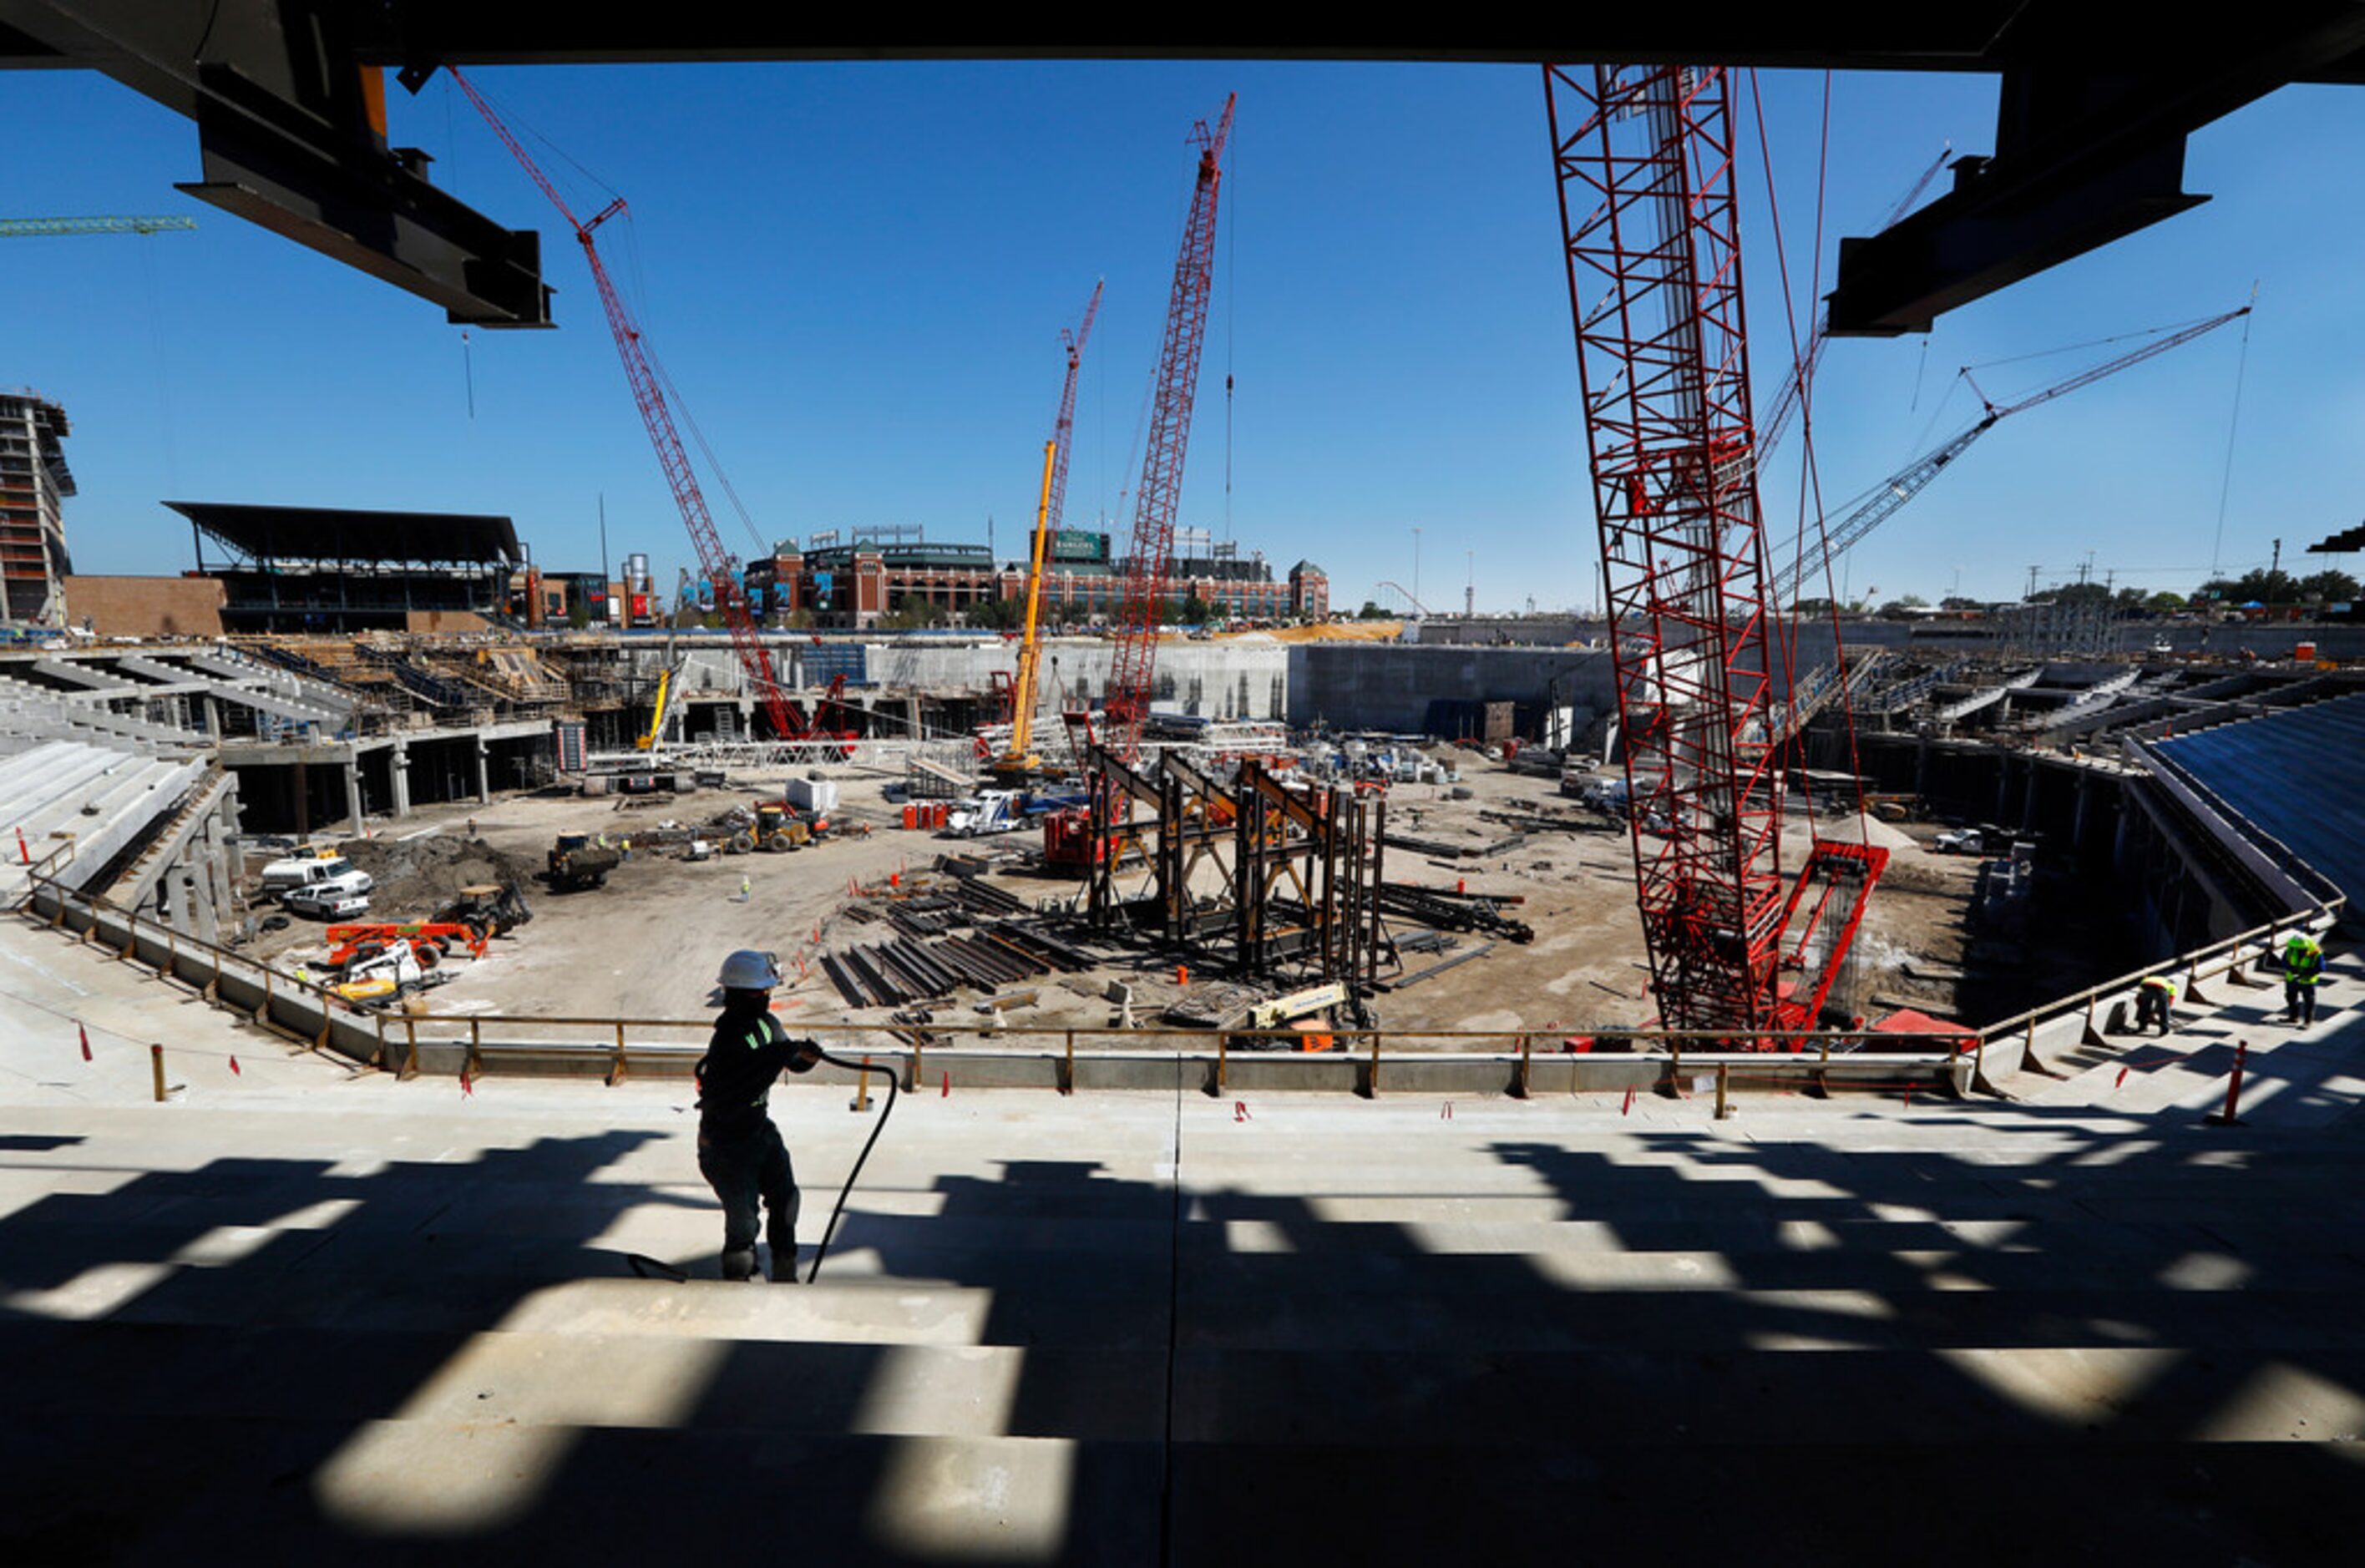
(1651, 232)
(1135, 663)
(721, 567)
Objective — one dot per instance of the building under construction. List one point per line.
(34, 483)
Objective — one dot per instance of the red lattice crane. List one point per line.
(1651, 227)
(1135, 663)
(721, 567)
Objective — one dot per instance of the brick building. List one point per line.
(860, 583)
(1309, 592)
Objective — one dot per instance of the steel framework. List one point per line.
(1651, 232)
(1249, 874)
(1134, 662)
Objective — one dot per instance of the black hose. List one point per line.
(894, 1089)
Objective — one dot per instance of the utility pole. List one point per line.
(2032, 584)
(2277, 565)
(1470, 588)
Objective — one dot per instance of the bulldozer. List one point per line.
(778, 827)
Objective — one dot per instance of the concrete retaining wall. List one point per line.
(1389, 686)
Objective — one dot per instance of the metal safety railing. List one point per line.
(1063, 1057)
(2223, 959)
(1674, 1063)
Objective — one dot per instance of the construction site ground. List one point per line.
(646, 945)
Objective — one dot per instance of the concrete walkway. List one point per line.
(300, 1314)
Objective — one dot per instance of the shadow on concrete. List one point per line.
(1685, 1348)
(35, 1143)
(196, 1357)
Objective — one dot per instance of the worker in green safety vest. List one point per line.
(2154, 997)
(2303, 967)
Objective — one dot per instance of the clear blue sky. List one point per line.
(856, 275)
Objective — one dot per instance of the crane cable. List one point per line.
(1811, 472)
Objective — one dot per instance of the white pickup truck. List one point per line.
(325, 903)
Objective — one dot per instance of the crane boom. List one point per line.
(1801, 374)
(1155, 500)
(1063, 429)
(1909, 481)
(1651, 240)
(1019, 759)
(721, 567)
(46, 227)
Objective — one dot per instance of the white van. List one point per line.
(320, 871)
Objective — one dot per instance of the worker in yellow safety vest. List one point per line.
(2303, 967)
(2154, 998)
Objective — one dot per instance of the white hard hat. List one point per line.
(748, 969)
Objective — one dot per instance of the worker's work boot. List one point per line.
(739, 1265)
(784, 1265)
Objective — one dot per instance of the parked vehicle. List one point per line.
(988, 810)
(325, 903)
(577, 862)
(1959, 841)
(322, 870)
(383, 976)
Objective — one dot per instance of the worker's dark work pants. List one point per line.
(743, 1171)
(2151, 1005)
(2298, 1002)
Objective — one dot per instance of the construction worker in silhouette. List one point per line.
(2154, 998)
(2303, 967)
(739, 1150)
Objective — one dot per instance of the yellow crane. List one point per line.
(1021, 761)
(667, 681)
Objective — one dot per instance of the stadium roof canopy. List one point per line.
(263, 534)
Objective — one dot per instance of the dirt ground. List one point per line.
(646, 945)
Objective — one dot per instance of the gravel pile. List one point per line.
(417, 877)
